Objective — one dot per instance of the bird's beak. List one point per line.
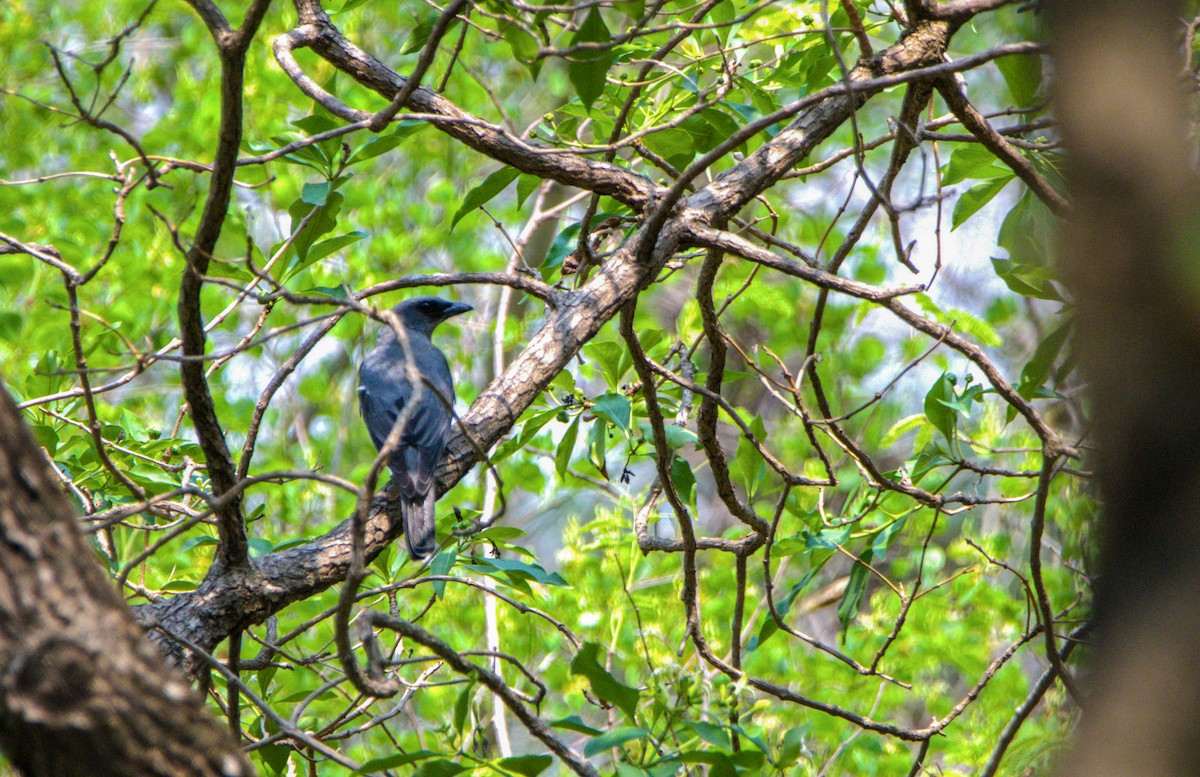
(458, 308)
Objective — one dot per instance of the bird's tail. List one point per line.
(419, 524)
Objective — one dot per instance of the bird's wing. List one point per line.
(384, 391)
(426, 432)
(381, 399)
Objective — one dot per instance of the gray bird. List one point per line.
(383, 390)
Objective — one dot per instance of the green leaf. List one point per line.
(970, 201)
(684, 479)
(380, 144)
(422, 30)
(441, 566)
(827, 539)
(562, 456)
(943, 418)
(531, 427)
(1038, 369)
(274, 757)
(613, 738)
(588, 69)
(1023, 76)
(392, 761)
(315, 193)
(959, 319)
(46, 437)
(1026, 280)
(524, 47)
(575, 723)
(901, 428)
(1028, 232)
(720, 764)
(462, 706)
(613, 359)
(674, 144)
(855, 589)
(677, 436)
(484, 192)
(335, 292)
(528, 765)
(883, 538)
(614, 407)
(323, 249)
(500, 533)
(723, 15)
(930, 458)
(315, 123)
(793, 747)
(439, 767)
(564, 243)
(526, 185)
(631, 8)
(260, 546)
(349, 5)
(597, 446)
(517, 573)
(715, 735)
(748, 759)
(196, 542)
(10, 325)
(972, 160)
(320, 224)
(605, 686)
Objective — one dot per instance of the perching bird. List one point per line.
(383, 390)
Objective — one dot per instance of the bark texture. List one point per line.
(82, 692)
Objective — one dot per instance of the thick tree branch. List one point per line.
(917, 53)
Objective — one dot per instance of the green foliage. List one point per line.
(875, 423)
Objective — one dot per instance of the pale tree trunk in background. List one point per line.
(82, 691)
(1132, 256)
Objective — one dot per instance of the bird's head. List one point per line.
(422, 314)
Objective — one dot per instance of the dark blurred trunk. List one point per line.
(1130, 253)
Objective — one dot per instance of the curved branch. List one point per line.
(706, 416)
(318, 33)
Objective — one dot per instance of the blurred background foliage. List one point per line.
(578, 465)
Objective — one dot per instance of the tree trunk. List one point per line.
(82, 691)
(1131, 253)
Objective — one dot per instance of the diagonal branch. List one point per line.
(1001, 146)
